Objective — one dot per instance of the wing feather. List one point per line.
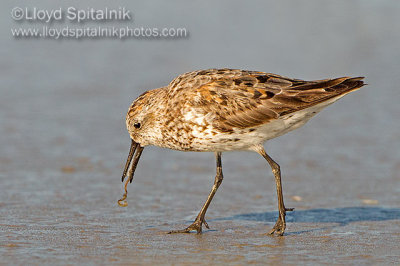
(234, 98)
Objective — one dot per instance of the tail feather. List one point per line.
(331, 85)
(354, 83)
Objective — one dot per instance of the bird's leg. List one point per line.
(197, 224)
(280, 225)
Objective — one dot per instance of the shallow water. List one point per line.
(63, 141)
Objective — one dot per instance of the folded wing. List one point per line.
(243, 99)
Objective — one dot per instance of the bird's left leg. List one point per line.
(280, 225)
(200, 220)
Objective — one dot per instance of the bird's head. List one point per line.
(143, 117)
(142, 122)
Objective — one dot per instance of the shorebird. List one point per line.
(218, 110)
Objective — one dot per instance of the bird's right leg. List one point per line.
(200, 219)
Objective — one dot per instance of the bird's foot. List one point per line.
(280, 225)
(195, 226)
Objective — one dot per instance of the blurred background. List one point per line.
(64, 143)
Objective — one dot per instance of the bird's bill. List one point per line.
(132, 161)
(133, 158)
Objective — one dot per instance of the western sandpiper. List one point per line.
(220, 110)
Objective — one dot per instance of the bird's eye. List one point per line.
(137, 125)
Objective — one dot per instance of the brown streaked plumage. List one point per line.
(227, 109)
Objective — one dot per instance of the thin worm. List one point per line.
(123, 202)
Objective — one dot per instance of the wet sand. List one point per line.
(64, 143)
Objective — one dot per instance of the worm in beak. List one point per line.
(129, 170)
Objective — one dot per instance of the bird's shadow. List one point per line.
(340, 216)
